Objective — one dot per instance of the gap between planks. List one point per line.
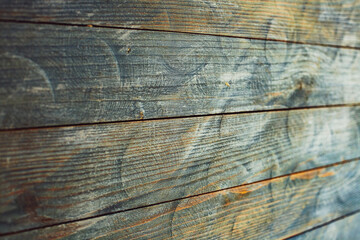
(323, 224)
(197, 195)
(188, 116)
(173, 31)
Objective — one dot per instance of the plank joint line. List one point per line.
(191, 196)
(188, 116)
(173, 31)
(324, 224)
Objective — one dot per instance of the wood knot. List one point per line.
(27, 201)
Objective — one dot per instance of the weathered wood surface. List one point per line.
(271, 209)
(334, 22)
(59, 174)
(57, 75)
(344, 229)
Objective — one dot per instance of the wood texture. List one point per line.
(347, 228)
(59, 174)
(57, 75)
(335, 22)
(271, 209)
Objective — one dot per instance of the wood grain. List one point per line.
(335, 22)
(57, 75)
(53, 175)
(271, 209)
(347, 228)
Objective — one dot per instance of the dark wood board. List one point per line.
(60, 75)
(272, 209)
(52, 175)
(335, 22)
(344, 229)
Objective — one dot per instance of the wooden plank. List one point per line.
(346, 228)
(318, 21)
(56, 75)
(271, 209)
(53, 175)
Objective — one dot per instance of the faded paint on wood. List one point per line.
(60, 75)
(347, 228)
(334, 22)
(53, 175)
(271, 209)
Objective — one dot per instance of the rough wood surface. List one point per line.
(271, 209)
(344, 229)
(57, 75)
(59, 174)
(335, 22)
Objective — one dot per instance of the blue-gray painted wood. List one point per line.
(335, 22)
(52, 175)
(60, 75)
(343, 229)
(272, 209)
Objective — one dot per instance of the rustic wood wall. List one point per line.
(191, 119)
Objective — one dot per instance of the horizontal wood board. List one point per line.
(334, 22)
(52, 175)
(271, 209)
(61, 75)
(346, 228)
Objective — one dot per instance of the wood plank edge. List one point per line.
(349, 105)
(176, 31)
(294, 174)
(328, 223)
